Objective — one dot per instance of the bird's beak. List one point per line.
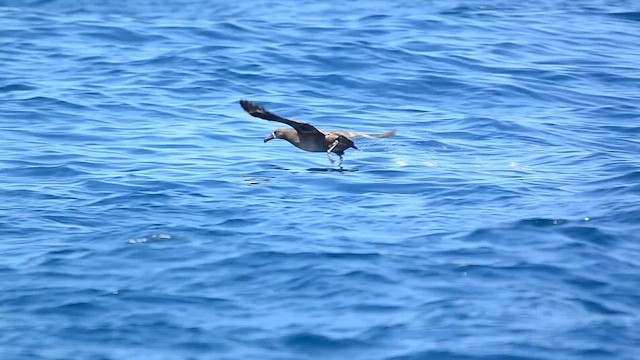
(270, 137)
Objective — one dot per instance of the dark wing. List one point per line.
(258, 111)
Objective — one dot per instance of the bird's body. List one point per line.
(307, 137)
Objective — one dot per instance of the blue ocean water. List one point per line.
(142, 216)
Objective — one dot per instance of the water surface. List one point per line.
(142, 217)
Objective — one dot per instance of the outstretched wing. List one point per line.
(355, 135)
(258, 111)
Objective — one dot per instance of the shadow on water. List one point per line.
(257, 180)
(317, 169)
(340, 169)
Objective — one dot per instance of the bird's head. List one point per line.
(276, 134)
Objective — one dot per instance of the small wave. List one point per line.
(16, 87)
(447, 355)
(374, 18)
(56, 171)
(83, 308)
(314, 342)
(49, 102)
(469, 10)
(598, 308)
(118, 34)
(264, 257)
(630, 15)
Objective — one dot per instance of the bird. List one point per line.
(307, 137)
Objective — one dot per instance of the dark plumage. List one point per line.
(307, 137)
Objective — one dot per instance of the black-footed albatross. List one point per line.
(307, 137)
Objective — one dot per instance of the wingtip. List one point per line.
(250, 107)
(245, 103)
